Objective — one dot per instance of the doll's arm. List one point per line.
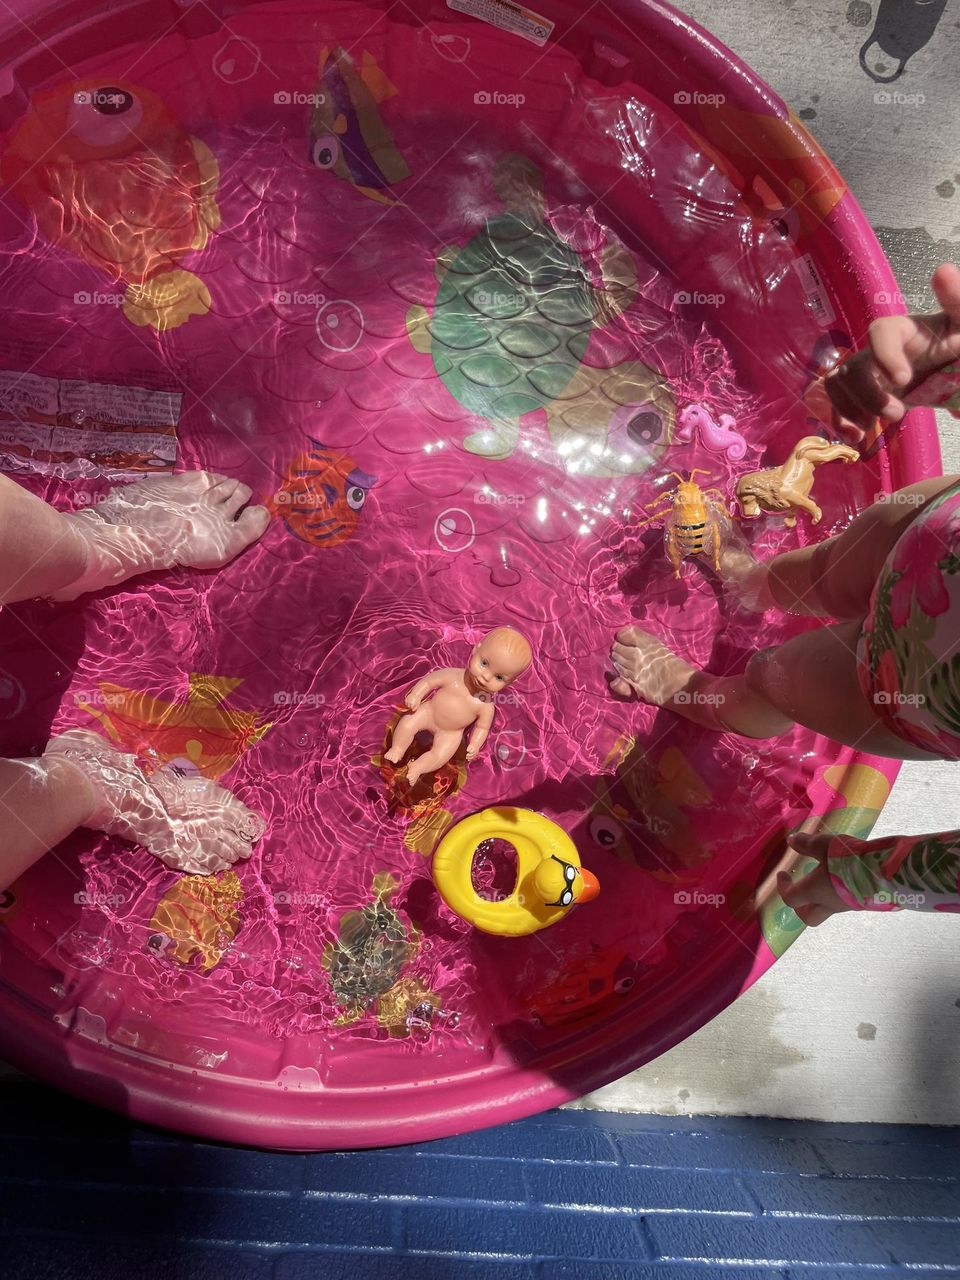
(479, 732)
(426, 684)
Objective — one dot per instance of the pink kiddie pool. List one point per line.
(438, 282)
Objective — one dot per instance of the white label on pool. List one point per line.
(507, 16)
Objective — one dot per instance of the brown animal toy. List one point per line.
(787, 488)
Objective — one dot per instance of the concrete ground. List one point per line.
(860, 1020)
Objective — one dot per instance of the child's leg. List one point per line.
(810, 680)
(833, 578)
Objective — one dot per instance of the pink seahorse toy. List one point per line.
(717, 436)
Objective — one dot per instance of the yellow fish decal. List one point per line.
(199, 735)
(198, 916)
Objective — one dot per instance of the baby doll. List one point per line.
(882, 675)
(463, 698)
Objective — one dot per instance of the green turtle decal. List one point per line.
(509, 332)
(372, 946)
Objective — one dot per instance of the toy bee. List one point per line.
(691, 524)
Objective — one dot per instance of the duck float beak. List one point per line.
(591, 886)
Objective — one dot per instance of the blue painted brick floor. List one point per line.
(565, 1196)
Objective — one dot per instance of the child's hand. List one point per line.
(812, 897)
(903, 351)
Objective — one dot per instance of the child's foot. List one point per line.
(191, 824)
(647, 668)
(658, 676)
(190, 519)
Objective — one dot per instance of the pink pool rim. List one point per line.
(302, 1076)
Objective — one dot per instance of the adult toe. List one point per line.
(621, 688)
(252, 524)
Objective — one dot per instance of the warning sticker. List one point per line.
(74, 429)
(818, 299)
(509, 17)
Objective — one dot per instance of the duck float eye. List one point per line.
(550, 879)
(569, 875)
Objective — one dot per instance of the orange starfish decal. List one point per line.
(773, 162)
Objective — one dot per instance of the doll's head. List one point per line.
(498, 659)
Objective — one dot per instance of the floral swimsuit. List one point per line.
(908, 664)
(908, 657)
(918, 872)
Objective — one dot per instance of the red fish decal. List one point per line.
(589, 987)
(321, 496)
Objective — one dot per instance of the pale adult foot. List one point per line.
(191, 824)
(195, 520)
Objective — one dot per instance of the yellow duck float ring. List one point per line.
(550, 878)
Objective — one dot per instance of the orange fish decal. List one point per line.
(639, 812)
(680, 782)
(199, 735)
(347, 135)
(321, 496)
(113, 177)
(773, 162)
